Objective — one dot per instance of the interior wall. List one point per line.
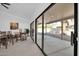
(6, 18)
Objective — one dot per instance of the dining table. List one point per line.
(3, 41)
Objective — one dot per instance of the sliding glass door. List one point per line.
(54, 29)
(68, 27)
(39, 31)
(58, 25)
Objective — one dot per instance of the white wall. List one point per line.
(6, 18)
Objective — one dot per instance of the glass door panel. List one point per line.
(39, 31)
(68, 27)
(57, 29)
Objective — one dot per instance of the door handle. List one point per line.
(72, 38)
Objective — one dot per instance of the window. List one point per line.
(39, 31)
(68, 27)
(58, 24)
(57, 28)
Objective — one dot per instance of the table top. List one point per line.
(5, 36)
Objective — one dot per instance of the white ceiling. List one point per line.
(27, 10)
(24, 10)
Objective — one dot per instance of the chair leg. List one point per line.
(0, 45)
(16, 39)
(12, 41)
(6, 44)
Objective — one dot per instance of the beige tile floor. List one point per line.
(53, 47)
(24, 48)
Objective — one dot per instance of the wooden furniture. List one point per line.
(23, 36)
(17, 36)
(7, 37)
(3, 39)
(11, 38)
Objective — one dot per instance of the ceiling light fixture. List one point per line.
(5, 5)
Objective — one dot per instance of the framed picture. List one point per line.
(14, 26)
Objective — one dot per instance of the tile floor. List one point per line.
(24, 48)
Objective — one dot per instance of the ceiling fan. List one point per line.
(5, 5)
